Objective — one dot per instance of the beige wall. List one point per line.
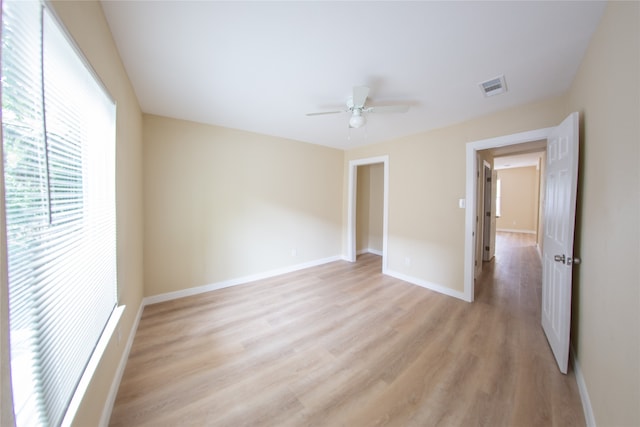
(606, 327)
(223, 204)
(369, 208)
(427, 177)
(86, 23)
(519, 199)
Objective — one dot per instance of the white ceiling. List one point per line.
(517, 161)
(260, 66)
(518, 156)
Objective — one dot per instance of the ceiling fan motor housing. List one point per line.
(355, 105)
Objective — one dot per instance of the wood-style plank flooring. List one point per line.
(343, 345)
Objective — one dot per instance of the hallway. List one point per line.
(512, 280)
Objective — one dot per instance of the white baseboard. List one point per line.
(234, 282)
(590, 420)
(115, 384)
(369, 251)
(428, 285)
(513, 230)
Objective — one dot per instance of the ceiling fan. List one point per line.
(356, 106)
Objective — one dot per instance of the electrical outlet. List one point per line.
(407, 261)
(294, 252)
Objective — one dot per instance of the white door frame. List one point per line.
(351, 209)
(472, 169)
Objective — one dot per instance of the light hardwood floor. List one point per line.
(343, 345)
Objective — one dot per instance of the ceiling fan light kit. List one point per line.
(357, 119)
(356, 106)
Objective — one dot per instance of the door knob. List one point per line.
(559, 258)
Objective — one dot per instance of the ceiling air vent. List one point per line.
(494, 86)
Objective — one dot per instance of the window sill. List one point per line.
(108, 333)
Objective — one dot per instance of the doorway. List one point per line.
(562, 144)
(515, 142)
(369, 199)
(517, 198)
(353, 201)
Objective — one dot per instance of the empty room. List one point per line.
(288, 213)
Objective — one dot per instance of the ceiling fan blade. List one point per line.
(324, 112)
(388, 109)
(360, 94)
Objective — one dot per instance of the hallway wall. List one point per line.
(519, 199)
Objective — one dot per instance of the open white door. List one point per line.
(488, 214)
(559, 219)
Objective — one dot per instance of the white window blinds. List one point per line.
(59, 164)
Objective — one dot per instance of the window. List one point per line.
(58, 128)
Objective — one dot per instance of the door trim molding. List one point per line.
(351, 207)
(471, 202)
